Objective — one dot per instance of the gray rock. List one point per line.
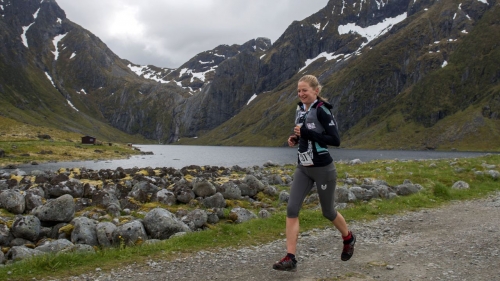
(215, 201)
(212, 217)
(407, 188)
(84, 231)
(34, 198)
(54, 246)
(355, 162)
(195, 219)
(270, 190)
(242, 215)
(104, 232)
(362, 193)
(230, 190)
(79, 248)
(344, 195)
(5, 235)
(2, 259)
(494, 174)
(105, 198)
(132, 233)
(284, 196)
(72, 187)
(251, 186)
(166, 197)
(26, 227)
(143, 191)
(264, 214)
(311, 199)
(183, 193)
(13, 201)
(61, 209)
(203, 188)
(17, 253)
(161, 224)
(275, 179)
(460, 185)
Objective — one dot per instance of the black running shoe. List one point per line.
(286, 264)
(348, 250)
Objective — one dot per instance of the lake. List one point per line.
(179, 156)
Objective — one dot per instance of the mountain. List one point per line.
(410, 74)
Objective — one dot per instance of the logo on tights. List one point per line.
(323, 186)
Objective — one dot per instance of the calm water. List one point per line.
(179, 156)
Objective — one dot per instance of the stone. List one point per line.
(84, 231)
(215, 201)
(161, 224)
(195, 219)
(17, 253)
(13, 201)
(104, 232)
(203, 188)
(61, 209)
(230, 190)
(460, 185)
(26, 227)
(284, 196)
(242, 215)
(5, 235)
(166, 197)
(54, 246)
(129, 234)
(34, 198)
(143, 191)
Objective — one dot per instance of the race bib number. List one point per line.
(305, 159)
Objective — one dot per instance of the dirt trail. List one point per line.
(460, 241)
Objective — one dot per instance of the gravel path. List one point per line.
(460, 241)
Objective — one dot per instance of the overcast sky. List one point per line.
(167, 33)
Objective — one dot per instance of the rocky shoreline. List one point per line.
(80, 209)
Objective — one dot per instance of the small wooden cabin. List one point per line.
(89, 140)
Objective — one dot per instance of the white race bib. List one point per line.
(305, 159)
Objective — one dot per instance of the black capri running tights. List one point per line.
(303, 180)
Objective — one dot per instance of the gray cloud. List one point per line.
(167, 33)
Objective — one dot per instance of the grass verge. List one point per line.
(436, 176)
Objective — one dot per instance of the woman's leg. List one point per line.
(341, 225)
(292, 234)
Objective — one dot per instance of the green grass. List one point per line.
(436, 179)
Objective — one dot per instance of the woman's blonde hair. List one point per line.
(314, 83)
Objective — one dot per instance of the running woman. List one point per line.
(315, 129)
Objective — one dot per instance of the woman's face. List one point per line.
(306, 93)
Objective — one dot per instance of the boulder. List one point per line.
(251, 186)
(183, 193)
(166, 197)
(344, 195)
(362, 193)
(132, 233)
(72, 187)
(161, 224)
(55, 246)
(34, 198)
(17, 253)
(494, 174)
(264, 214)
(84, 231)
(13, 201)
(5, 235)
(242, 215)
(104, 198)
(203, 188)
(104, 231)
(61, 209)
(195, 219)
(144, 191)
(214, 201)
(460, 185)
(284, 196)
(230, 190)
(407, 188)
(26, 227)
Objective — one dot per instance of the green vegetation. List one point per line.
(23, 143)
(436, 176)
